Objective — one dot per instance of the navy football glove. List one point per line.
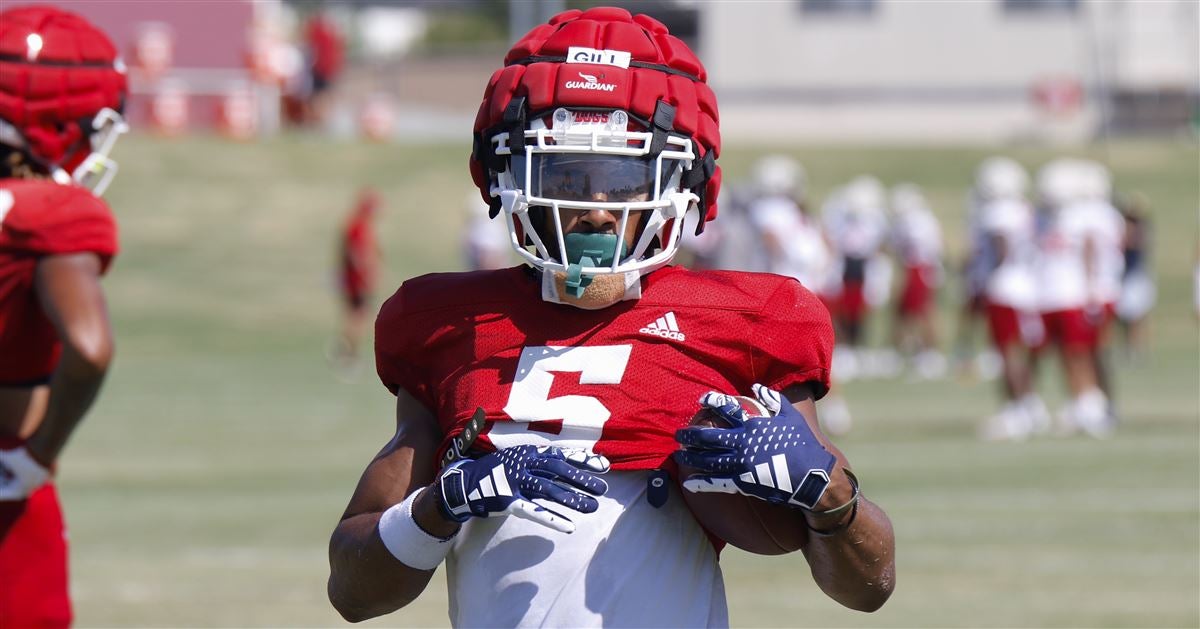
(505, 482)
(776, 458)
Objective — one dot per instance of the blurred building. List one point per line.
(195, 65)
(983, 70)
(945, 71)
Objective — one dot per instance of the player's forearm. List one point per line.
(856, 566)
(365, 580)
(73, 389)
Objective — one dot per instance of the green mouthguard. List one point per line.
(588, 250)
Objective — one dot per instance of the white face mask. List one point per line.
(592, 162)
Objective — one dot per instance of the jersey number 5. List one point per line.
(529, 400)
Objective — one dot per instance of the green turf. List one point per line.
(202, 489)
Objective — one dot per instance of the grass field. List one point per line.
(202, 488)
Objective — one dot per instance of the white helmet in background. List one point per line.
(864, 193)
(907, 198)
(780, 175)
(1058, 182)
(1001, 178)
(1095, 181)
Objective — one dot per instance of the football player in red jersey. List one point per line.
(61, 90)
(358, 266)
(541, 409)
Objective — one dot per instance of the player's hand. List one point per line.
(20, 474)
(505, 482)
(775, 458)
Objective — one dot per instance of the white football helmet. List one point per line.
(864, 194)
(1001, 178)
(1057, 183)
(908, 198)
(780, 175)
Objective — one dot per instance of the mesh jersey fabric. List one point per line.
(619, 380)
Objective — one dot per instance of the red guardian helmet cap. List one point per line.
(598, 110)
(62, 88)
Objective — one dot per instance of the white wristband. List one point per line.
(407, 541)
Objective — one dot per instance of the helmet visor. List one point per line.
(595, 178)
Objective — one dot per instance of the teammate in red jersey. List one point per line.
(61, 90)
(358, 267)
(541, 409)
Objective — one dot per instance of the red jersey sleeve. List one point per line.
(52, 219)
(793, 340)
(396, 355)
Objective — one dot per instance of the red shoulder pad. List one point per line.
(44, 218)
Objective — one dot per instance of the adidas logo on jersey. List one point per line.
(666, 327)
(494, 485)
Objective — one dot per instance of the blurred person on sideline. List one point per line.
(969, 360)
(917, 243)
(326, 56)
(733, 243)
(795, 246)
(1071, 272)
(485, 244)
(1006, 224)
(60, 106)
(855, 221)
(1105, 264)
(1138, 290)
(541, 408)
(359, 261)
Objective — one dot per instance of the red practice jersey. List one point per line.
(41, 218)
(358, 257)
(619, 380)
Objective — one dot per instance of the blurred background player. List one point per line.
(1105, 264)
(794, 243)
(485, 245)
(917, 242)
(1004, 220)
(856, 224)
(969, 360)
(1138, 290)
(1070, 271)
(358, 268)
(325, 55)
(795, 246)
(733, 243)
(60, 100)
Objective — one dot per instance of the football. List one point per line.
(750, 524)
